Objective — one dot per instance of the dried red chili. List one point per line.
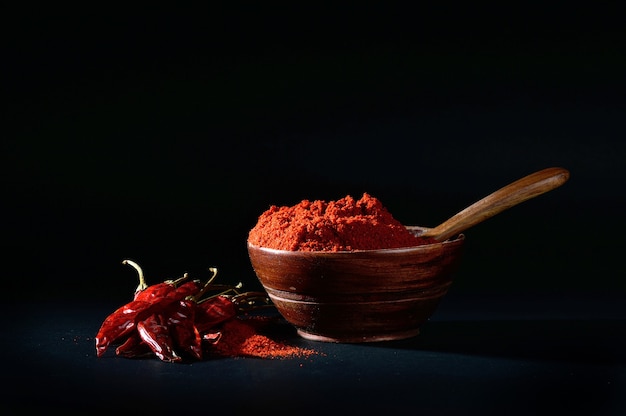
(343, 225)
(133, 347)
(214, 311)
(174, 321)
(146, 301)
(181, 319)
(154, 331)
(121, 323)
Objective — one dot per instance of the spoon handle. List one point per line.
(504, 198)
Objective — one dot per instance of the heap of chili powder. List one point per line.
(346, 224)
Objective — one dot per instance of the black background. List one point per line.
(160, 135)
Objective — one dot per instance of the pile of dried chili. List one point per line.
(185, 319)
(343, 225)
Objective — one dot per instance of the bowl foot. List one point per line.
(393, 336)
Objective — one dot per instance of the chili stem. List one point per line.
(184, 277)
(142, 281)
(248, 300)
(206, 285)
(214, 271)
(224, 292)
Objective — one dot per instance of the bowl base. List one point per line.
(392, 336)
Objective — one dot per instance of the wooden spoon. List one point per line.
(504, 198)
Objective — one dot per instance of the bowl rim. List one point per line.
(456, 240)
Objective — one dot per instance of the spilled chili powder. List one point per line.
(346, 224)
(243, 338)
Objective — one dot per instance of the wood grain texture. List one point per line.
(523, 189)
(359, 296)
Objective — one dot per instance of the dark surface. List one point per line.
(161, 135)
(476, 356)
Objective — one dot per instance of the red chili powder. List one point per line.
(343, 225)
(241, 339)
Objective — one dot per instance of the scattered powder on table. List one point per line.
(241, 338)
(342, 225)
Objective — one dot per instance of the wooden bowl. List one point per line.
(358, 296)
